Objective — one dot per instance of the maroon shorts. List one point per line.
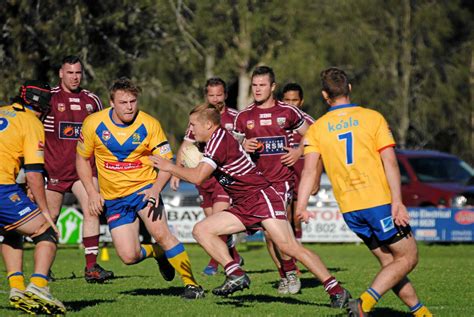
(213, 194)
(60, 186)
(298, 167)
(285, 190)
(265, 204)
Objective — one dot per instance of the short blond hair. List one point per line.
(207, 112)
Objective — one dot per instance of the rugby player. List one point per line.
(256, 204)
(214, 197)
(356, 146)
(70, 105)
(22, 140)
(120, 138)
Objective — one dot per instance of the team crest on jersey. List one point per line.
(89, 108)
(136, 138)
(229, 126)
(281, 121)
(105, 135)
(15, 198)
(61, 107)
(250, 124)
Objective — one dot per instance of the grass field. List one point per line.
(443, 278)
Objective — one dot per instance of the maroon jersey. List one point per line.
(296, 139)
(62, 128)
(273, 127)
(227, 122)
(234, 169)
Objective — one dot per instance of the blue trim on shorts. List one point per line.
(372, 221)
(124, 210)
(174, 251)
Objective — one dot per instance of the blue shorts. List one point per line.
(372, 221)
(122, 211)
(16, 208)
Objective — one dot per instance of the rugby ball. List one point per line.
(191, 156)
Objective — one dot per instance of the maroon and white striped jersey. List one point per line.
(273, 127)
(62, 128)
(227, 122)
(233, 168)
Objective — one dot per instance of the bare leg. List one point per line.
(55, 202)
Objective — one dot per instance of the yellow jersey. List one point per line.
(21, 141)
(121, 151)
(349, 139)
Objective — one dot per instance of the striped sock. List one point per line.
(332, 286)
(39, 280)
(16, 280)
(420, 310)
(91, 250)
(178, 258)
(369, 299)
(233, 268)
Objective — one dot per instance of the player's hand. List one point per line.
(303, 215)
(29, 193)
(155, 211)
(161, 163)
(252, 145)
(47, 215)
(400, 214)
(174, 183)
(293, 155)
(96, 203)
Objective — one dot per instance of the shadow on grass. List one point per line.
(249, 300)
(73, 276)
(389, 312)
(169, 291)
(260, 271)
(81, 304)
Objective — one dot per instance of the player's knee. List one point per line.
(199, 231)
(412, 259)
(48, 235)
(129, 259)
(13, 239)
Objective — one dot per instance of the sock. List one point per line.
(16, 280)
(369, 299)
(298, 234)
(233, 268)
(420, 310)
(288, 265)
(146, 251)
(281, 272)
(332, 286)
(178, 257)
(213, 263)
(39, 280)
(91, 250)
(231, 247)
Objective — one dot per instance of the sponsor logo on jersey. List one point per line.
(387, 224)
(113, 217)
(105, 135)
(272, 145)
(89, 108)
(61, 107)
(24, 211)
(343, 124)
(229, 126)
(40, 145)
(74, 100)
(3, 124)
(281, 121)
(75, 107)
(69, 130)
(225, 180)
(266, 122)
(54, 181)
(123, 166)
(265, 115)
(250, 124)
(165, 149)
(15, 198)
(136, 138)
(280, 213)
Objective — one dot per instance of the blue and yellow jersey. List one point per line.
(21, 139)
(121, 151)
(349, 139)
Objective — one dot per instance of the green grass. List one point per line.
(443, 279)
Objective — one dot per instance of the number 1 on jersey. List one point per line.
(349, 146)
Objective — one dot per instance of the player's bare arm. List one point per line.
(35, 181)
(84, 170)
(307, 182)
(193, 175)
(399, 211)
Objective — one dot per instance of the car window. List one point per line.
(441, 169)
(403, 173)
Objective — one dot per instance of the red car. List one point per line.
(431, 178)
